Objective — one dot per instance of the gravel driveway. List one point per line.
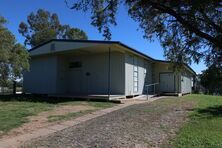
(143, 125)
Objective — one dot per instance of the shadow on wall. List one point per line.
(45, 98)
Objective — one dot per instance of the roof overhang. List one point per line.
(84, 45)
(187, 67)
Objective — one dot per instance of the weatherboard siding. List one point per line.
(143, 65)
(93, 75)
(42, 76)
(186, 83)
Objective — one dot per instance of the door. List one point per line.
(186, 84)
(74, 81)
(74, 78)
(167, 82)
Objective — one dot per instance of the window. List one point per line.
(146, 73)
(145, 76)
(135, 75)
(75, 64)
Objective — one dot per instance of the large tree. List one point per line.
(187, 29)
(43, 26)
(211, 80)
(13, 56)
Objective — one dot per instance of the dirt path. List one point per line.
(142, 125)
(41, 120)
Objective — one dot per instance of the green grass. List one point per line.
(204, 129)
(15, 113)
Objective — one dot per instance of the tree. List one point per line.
(43, 26)
(188, 30)
(211, 79)
(13, 56)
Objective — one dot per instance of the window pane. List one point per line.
(75, 64)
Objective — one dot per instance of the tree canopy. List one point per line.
(188, 30)
(43, 26)
(211, 80)
(13, 56)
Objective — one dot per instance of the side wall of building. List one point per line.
(42, 77)
(53, 74)
(92, 76)
(138, 73)
(161, 68)
(186, 82)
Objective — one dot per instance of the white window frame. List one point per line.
(135, 75)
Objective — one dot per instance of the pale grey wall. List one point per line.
(97, 66)
(148, 77)
(50, 74)
(117, 73)
(61, 75)
(165, 68)
(42, 77)
(183, 80)
(128, 74)
(142, 66)
(186, 82)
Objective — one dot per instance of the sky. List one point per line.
(127, 31)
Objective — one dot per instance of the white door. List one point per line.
(186, 84)
(167, 82)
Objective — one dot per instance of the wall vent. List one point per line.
(52, 47)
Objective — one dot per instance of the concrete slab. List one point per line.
(58, 127)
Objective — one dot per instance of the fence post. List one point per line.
(147, 92)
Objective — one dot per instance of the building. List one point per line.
(87, 67)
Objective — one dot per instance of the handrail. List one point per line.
(153, 84)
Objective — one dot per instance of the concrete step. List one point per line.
(137, 98)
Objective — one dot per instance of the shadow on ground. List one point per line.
(44, 98)
(210, 112)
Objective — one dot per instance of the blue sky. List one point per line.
(127, 31)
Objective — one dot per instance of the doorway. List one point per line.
(167, 82)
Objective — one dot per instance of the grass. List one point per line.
(204, 129)
(13, 114)
(15, 111)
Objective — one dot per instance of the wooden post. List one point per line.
(109, 74)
